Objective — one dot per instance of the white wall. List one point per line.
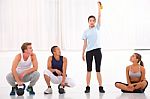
(28, 20)
(125, 23)
(143, 22)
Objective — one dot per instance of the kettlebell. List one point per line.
(20, 91)
(101, 6)
(60, 89)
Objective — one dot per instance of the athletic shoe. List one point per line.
(30, 90)
(13, 91)
(48, 91)
(101, 90)
(87, 89)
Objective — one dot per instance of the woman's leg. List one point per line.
(98, 58)
(88, 78)
(123, 87)
(144, 84)
(141, 85)
(89, 59)
(99, 78)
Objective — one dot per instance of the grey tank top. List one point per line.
(134, 74)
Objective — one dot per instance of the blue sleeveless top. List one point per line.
(57, 64)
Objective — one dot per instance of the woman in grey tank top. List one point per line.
(135, 74)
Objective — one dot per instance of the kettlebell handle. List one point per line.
(24, 86)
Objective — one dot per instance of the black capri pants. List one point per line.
(97, 56)
(134, 91)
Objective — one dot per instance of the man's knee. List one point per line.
(35, 75)
(9, 77)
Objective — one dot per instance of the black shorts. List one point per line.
(97, 56)
(135, 91)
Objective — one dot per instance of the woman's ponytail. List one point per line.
(141, 63)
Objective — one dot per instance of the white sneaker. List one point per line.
(48, 91)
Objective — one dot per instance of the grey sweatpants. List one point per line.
(32, 77)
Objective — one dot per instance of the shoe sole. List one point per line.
(47, 93)
(29, 92)
(102, 91)
(62, 93)
(12, 95)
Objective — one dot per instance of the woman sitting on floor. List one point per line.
(135, 74)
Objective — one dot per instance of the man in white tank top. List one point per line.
(24, 69)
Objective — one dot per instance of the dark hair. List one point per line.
(139, 57)
(53, 48)
(91, 16)
(24, 46)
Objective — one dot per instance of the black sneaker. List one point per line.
(87, 89)
(101, 90)
(13, 91)
(61, 89)
(30, 90)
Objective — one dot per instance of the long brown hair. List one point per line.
(139, 57)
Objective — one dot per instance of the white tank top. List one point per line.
(24, 65)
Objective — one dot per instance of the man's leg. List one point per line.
(33, 78)
(11, 80)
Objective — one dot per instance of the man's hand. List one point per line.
(20, 83)
(58, 72)
(62, 83)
